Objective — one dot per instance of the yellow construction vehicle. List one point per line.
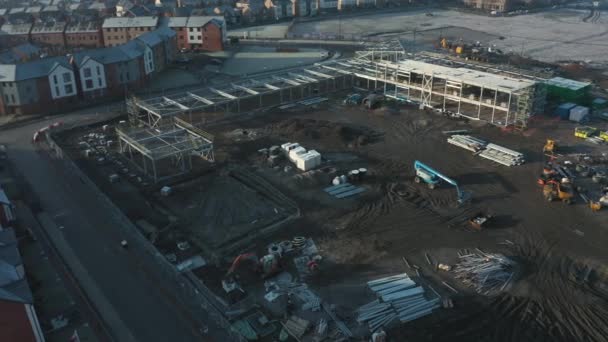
(550, 147)
(604, 135)
(595, 206)
(563, 191)
(584, 132)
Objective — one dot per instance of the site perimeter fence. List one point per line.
(334, 37)
(191, 291)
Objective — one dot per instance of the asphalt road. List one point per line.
(127, 279)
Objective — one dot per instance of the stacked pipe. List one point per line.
(502, 155)
(467, 142)
(486, 273)
(399, 299)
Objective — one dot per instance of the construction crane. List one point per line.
(432, 178)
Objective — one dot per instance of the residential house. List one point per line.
(123, 7)
(281, 8)
(346, 4)
(304, 8)
(251, 10)
(50, 33)
(118, 31)
(17, 313)
(44, 85)
(14, 34)
(179, 25)
(206, 33)
(19, 54)
(160, 49)
(84, 34)
(101, 8)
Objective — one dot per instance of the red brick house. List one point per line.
(49, 34)
(205, 33)
(84, 34)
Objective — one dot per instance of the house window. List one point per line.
(68, 89)
(87, 72)
(149, 29)
(191, 29)
(99, 81)
(198, 37)
(198, 29)
(115, 29)
(13, 98)
(67, 77)
(191, 37)
(98, 70)
(6, 98)
(57, 91)
(181, 37)
(55, 79)
(88, 84)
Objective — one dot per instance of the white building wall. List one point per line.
(92, 76)
(62, 82)
(195, 35)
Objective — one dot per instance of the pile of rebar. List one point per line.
(467, 142)
(502, 155)
(399, 300)
(486, 273)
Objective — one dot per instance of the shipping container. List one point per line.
(563, 111)
(579, 114)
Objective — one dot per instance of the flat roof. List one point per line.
(469, 76)
(14, 29)
(567, 83)
(49, 27)
(130, 22)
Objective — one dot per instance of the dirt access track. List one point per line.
(367, 236)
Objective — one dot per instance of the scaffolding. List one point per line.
(165, 152)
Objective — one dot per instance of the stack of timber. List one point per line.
(486, 273)
(467, 142)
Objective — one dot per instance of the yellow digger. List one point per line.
(550, 147)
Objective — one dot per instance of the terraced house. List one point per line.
(53, 84)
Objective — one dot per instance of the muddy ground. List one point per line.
(366, 236)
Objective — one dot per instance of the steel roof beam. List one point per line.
(200, 98)
(316, 73)
(292, 82)
(245, 89)
(181, 106)
(223, 93)
(302, 77)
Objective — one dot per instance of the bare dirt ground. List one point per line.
(366, 236)
(554, 35)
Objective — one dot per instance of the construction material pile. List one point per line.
(467, 142)
(493, 152)
(399, 300)
(487, 273)
(502, 155)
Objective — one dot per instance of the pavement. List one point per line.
(136, 301)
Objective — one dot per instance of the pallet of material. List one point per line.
(502, 155)
(467, 142)
(399, 300)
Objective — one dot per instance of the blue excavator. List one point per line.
(432, 178)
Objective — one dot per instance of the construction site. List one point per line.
(388, 196)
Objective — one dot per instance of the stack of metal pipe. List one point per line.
(399, 300)
(467, 142)
(502, 155)
(487, 273)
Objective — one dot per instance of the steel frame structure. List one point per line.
(177, 143)
(385, 69)
(259, 92)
